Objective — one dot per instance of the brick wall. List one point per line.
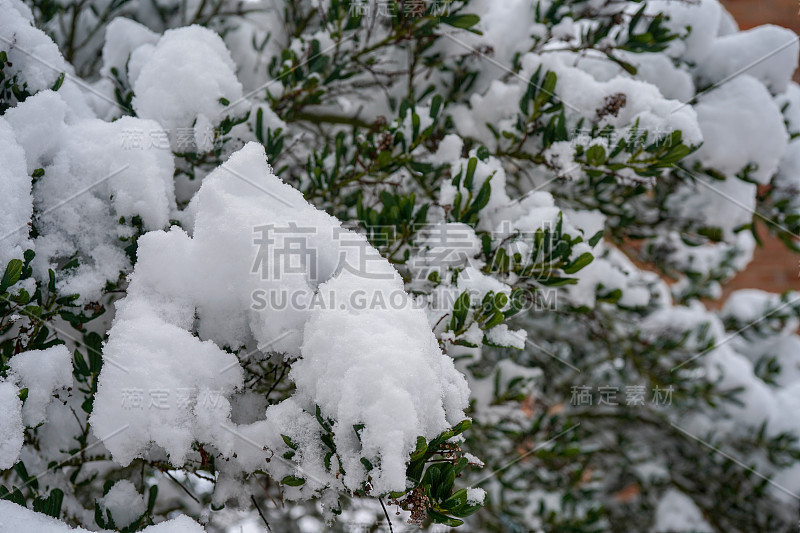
(774, 267)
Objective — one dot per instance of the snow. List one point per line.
(768, 53)
(789, 103)
(503, 336)
(169, 367)
(14, 517)
(583, 96)
(94, 173)
(184, 75)
(476, 496)
(501, 100)
(561, 155)
(741, 125)
(256, 27)
(727, 204)
(613, 270)
(788, 176)
(699, 19)
(748, 305)
(677, 512)
(11, 428)
(124, 503)
(203, 298)
(379, 364)
(42, 372)
(727, 24)
(15, 185)
(503, 33)
(34, 57)
(674, 83)
(382, 368)
(123, 36)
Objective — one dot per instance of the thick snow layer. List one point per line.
(674, 83)
(767, 53)
(123, 36)
(183, 76)
(165, 369)
(382, 368)
(18, 519)
(42, 372)
(32, 55)
(741, 125)
(677, 512)
(366, 354)
(749, 305)
(124, 503)
(583, 96)
(15, 186)
(94, 173)
(727, 24)
(700, 19)
(655, 68)
(11, 428)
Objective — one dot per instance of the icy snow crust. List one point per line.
(379, 367)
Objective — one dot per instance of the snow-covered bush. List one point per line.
(311, 265)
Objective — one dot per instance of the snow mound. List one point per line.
(741, 126)
(124, 503)
(32, 56)
(95, 172)
(184, 75)
(366, 354)
(42, 372)
(768, 53)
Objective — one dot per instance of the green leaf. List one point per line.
(458, 499)
(11, 276)
(549, 84)
(596, 155)
(472, 164)
(584, 259)
(293, 481)
(289, 442)
(462, 426)
(422, 447)
(436, 106)
(151, 498)
(59, 82)
(460, 310)
(51, 506)
(464, 22)
(440, 518)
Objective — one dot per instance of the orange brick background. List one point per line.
(774, 267)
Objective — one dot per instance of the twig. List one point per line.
(192, 496)
(253, 499)
(386, 513)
